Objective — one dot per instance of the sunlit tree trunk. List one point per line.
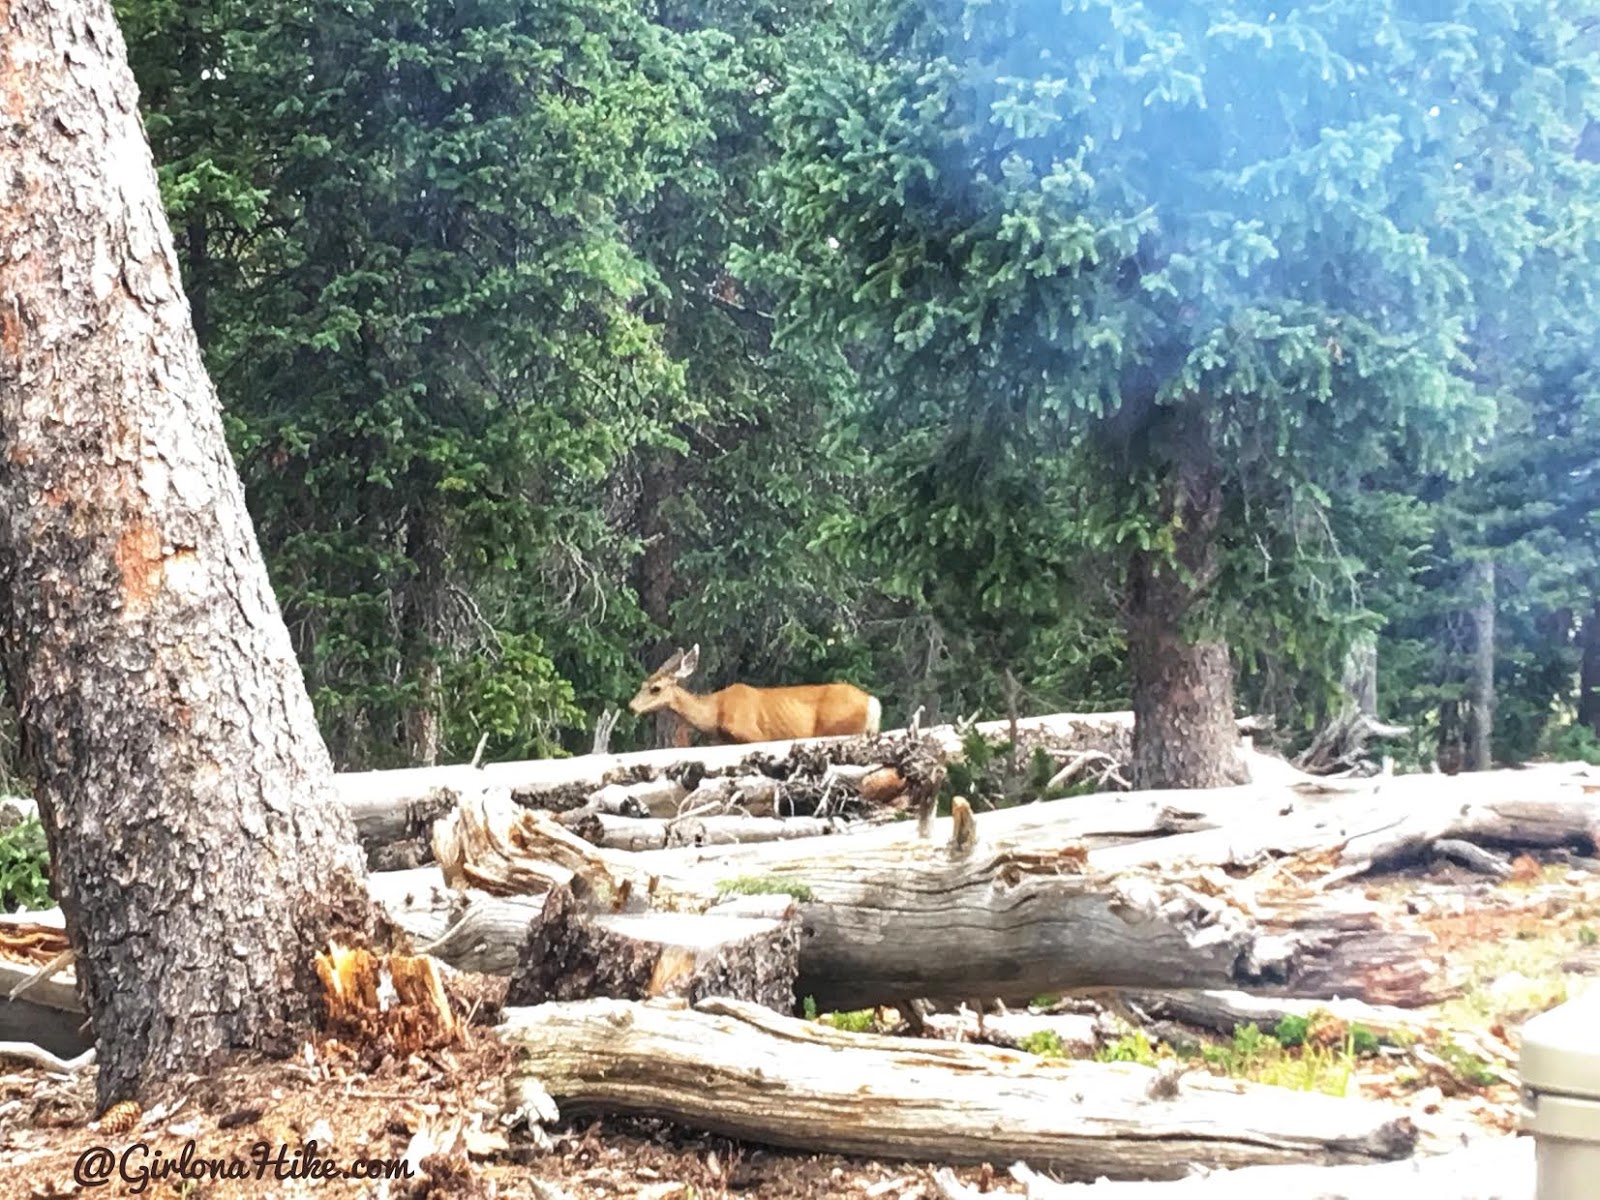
(198, 851)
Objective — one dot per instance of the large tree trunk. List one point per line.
(1589, 674)
(198, 850)
(1480, 716)
(1183, 732)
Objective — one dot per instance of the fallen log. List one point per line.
(466, 929)
(1497, 1168)
(1106, 819)
(650, 833)
(371, 791)
(1382, 822)
(1309, 826)
(740, 1070)
(1484, 862)
(647, 798)
(570, 955)
(44, 1012)
(1071, 1035)
(975, 918)
(1225, 1011)
(39, 1001)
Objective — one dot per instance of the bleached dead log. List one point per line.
(571, 955)
(977, 918)
(1384, 820)
(1225, 1011)
(469, 930)
(38, 1056)
(1104, 819)
(746, 1072)
(1497, 1168)
(755, 795)
(1077, 1035)
(381, 823)
(1249, 825)
(649, 833)
(658, 798)
(48, 1014)
(732, 829)
(374, 789)
(1474, 858)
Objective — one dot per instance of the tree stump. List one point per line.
(573, 955)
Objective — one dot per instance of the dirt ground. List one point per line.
(1519, 946)
(248, 1111)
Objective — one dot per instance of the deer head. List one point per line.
(662, 684)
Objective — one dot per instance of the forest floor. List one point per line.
(1527, 943)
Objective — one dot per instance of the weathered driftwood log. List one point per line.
(974, 918)
(1474, 858)
(572, 781)
(649, 833)
(647, 798)
(467, 929)
(48, 1013)
(1343, 828)
(1497, 1168)
(1078, 1035)
(746, 1072)
(39, 1001)
(1325, 824)
(571, 955)
(1225, 1011)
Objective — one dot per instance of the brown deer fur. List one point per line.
(741, 713)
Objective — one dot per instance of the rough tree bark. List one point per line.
(1183, 733)
(1480, 715)
(198, 850)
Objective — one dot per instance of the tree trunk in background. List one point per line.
(1480, 715)
(1589, 673)
(1451, 752)
(657, 582)
(1361, 674)
(198, 851)
(1183, 733)
(422, 634)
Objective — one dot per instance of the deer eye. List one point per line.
(655, 687)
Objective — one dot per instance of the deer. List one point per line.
(741, 713)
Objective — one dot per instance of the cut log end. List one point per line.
(570, 954)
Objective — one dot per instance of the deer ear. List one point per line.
(691, 660)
